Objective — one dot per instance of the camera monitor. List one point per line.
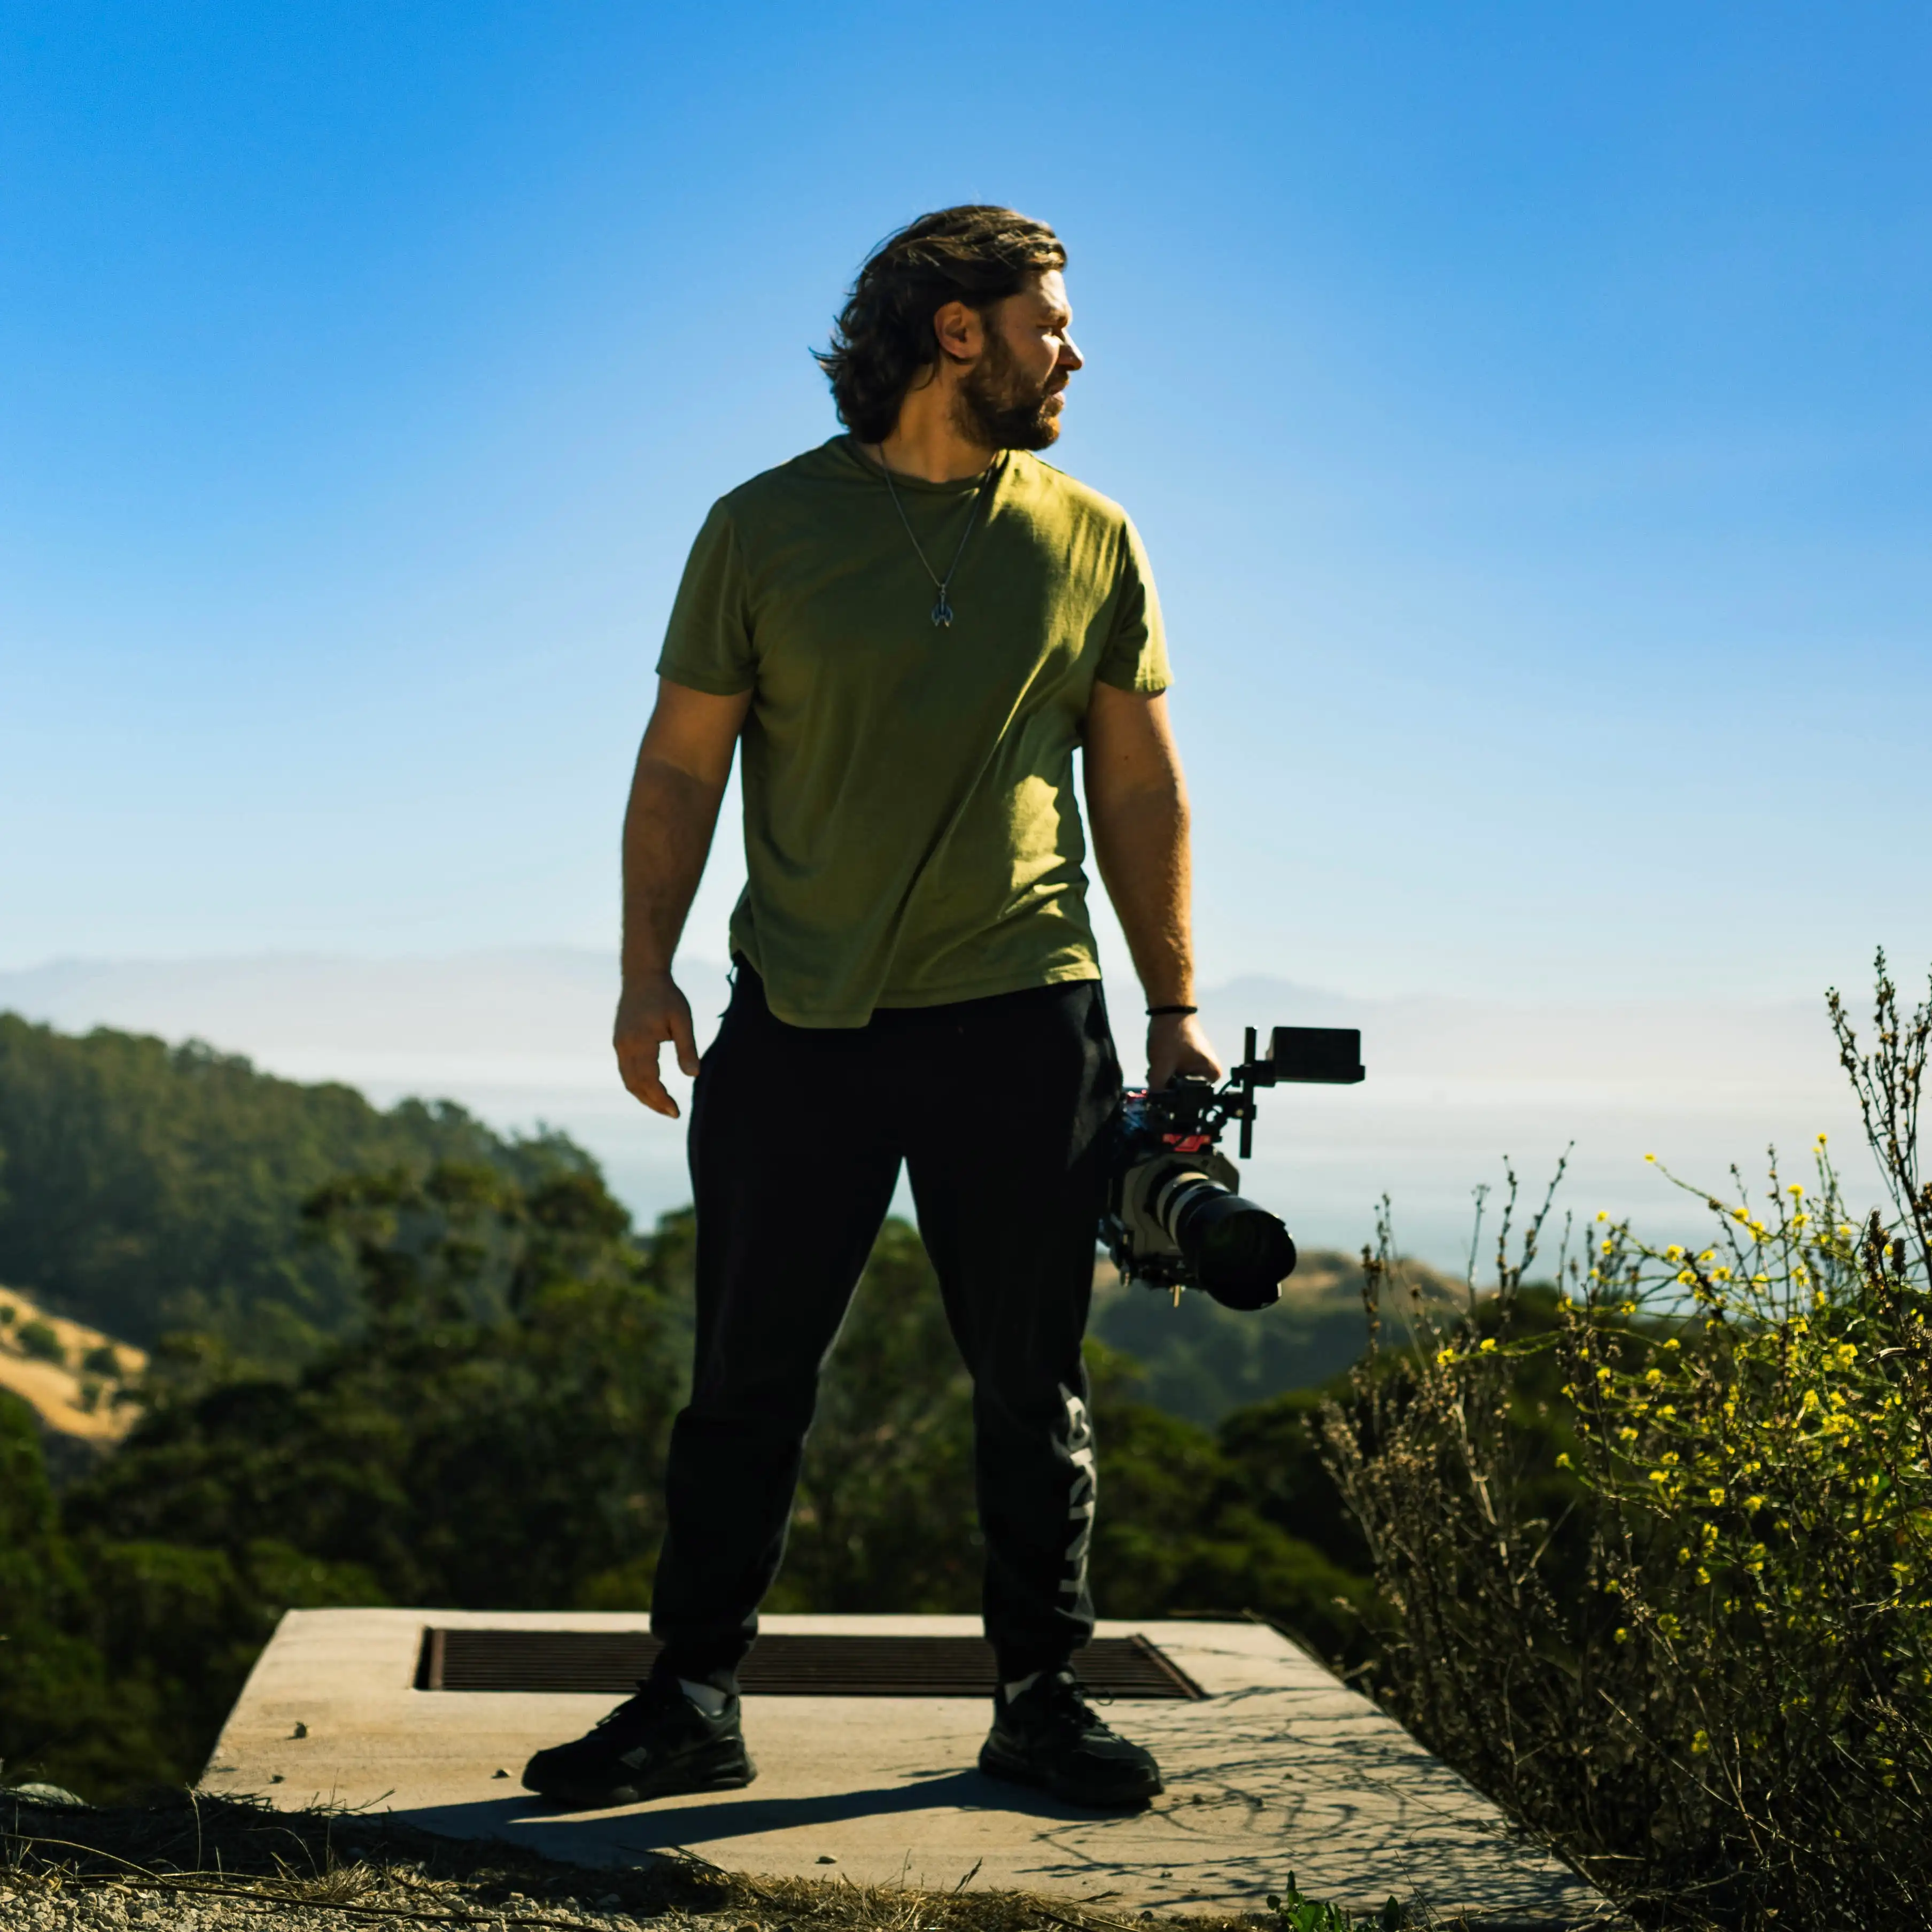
(1323, 1056)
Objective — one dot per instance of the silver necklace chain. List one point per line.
(942, 609)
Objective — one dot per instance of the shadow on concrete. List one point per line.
(594, 1837)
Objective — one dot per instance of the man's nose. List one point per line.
(1070, 358)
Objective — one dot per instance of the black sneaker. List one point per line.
(1048, 1737)
(655, 1744)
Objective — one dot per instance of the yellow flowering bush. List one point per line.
(1708, 1674)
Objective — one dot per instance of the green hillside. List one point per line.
(1202, 1362)
(146, 1187)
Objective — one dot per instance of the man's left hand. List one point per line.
(1177, 1043)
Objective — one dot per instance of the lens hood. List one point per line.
(1239, 1253)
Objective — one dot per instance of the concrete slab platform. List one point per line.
(1279, 1768)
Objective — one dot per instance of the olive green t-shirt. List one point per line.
(911, 834)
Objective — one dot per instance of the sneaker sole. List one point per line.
(584, 1798)
(1016, 1770)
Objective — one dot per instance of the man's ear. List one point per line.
(960, 332)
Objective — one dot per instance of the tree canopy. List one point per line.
(146, 1187)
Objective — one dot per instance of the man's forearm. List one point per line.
(668, 830)
(1140, 840)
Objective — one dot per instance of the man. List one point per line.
(909, 631)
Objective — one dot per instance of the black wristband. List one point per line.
(1160, 1012)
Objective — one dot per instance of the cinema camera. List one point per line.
(1173, 1219)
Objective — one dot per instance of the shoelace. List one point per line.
(632, 1707)
(1068, 1700)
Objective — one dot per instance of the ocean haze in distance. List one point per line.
(521, 1037)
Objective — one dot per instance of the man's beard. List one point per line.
(996, 407)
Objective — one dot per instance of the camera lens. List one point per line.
(1239, 1253)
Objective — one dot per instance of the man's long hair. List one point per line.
(883, 340)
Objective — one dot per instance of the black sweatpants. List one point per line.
(997, 1106)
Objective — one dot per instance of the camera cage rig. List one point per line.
(1165, 1127)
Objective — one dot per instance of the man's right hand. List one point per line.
(651, 1011)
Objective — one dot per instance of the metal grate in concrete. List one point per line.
(612, 1663)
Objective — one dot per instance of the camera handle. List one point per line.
(1315, 1056)
(1246, 1075)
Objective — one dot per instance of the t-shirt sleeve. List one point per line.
(1135, 658)
(708, 644)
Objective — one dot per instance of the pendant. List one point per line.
(942, 613)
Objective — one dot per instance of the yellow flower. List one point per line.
(1622, 1636)
(1796, 1193)
(1603, 1214)
(1563, 1461)
(1701, 1743)
(1650, 1156)
(1489, 1345)
(1674, 1252)
(1703, 1575)
(1685, 1277)
(1444, 1357)
(1716, 1498)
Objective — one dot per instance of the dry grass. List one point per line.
(367, 1868)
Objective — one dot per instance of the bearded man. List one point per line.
(909, 631)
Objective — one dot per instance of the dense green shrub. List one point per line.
(38, 1340)
(449, 1458)
(52, 1678)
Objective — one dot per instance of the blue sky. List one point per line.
(1526, 407)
